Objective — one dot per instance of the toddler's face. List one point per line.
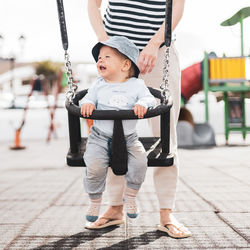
(110, 63)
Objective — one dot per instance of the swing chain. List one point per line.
(165, 83)
(72, 87)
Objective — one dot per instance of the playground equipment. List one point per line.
(228, 75)
(157, 148)
(61, 79)
(238, 17)
(189, 133)
(38, 84)
(216, 74)
(17, 140)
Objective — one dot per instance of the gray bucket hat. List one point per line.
(123, 45)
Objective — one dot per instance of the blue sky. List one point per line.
(199, 30)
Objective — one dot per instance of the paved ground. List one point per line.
(42, 203)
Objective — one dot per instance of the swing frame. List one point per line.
(157, 147)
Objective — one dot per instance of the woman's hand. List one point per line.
(139, 110)
(87, 109)
(147, 58)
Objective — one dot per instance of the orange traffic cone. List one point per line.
(17, 142)
(90, 124)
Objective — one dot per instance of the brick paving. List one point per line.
(42, 202)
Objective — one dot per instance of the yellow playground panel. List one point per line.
(227, 68)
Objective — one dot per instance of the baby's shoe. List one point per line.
(130, 203)
(93, 211)
(131, 208)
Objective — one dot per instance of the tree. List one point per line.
(49, 70)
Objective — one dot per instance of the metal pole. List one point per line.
(12, 67)
(205, 84)
(241, 36)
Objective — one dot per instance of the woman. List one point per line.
(143, 23)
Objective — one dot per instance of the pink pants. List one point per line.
(165, 178)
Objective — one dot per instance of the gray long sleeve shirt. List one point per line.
(118, 96)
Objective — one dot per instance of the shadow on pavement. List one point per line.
(80, 238)
(76, 239)
(135, 242)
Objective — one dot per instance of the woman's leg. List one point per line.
(166, 178)
(166, 190)
(115, 187)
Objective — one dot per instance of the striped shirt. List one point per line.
(138, 20)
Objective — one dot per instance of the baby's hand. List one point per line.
(87, 109)
(140, 110)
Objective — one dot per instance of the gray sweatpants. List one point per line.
(97, 161)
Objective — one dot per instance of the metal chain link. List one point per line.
(72, 87)
(165, 83)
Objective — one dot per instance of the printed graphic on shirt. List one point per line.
(118, 101)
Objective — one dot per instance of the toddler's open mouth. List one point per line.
(102, 67)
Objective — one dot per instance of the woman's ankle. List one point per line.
(165, 215)
(165, 211)
(114, 212)
(118, 208)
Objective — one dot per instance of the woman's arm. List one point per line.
(178, 9)
(148, 55)
(95, 19)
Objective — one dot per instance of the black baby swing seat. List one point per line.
(157, 148)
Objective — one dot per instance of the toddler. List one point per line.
(116, 88)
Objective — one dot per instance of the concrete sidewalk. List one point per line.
(42, 202)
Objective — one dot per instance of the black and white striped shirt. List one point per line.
(137, 20)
